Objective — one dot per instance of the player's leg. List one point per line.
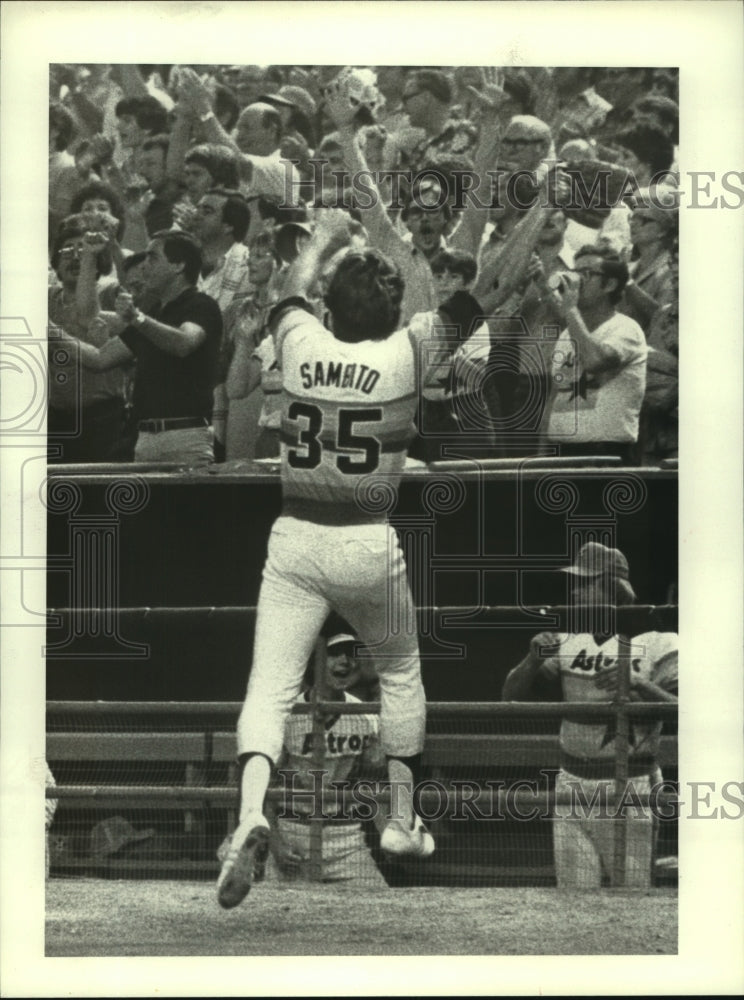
(575, 853)
(289, 616)
(640, 835)
(380, 608)
(347, 857)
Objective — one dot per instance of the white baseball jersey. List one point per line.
(581, 658)
(346, 738)
(347, 412)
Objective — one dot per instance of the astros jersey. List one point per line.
(347, 413)
(652, 657)
(345, 740)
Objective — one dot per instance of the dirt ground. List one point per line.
(97, 917)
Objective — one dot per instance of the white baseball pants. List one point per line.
(359, 571)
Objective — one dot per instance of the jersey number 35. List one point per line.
(346, 439)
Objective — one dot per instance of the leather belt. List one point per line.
(172, 424)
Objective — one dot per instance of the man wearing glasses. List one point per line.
(598, 370)
(525, 144)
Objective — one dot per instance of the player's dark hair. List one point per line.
(456, 262)
(180, 248)
(61, 120)
(613, 266)
(235, 212)
(364, 297)
(148, 112)
(220, 162)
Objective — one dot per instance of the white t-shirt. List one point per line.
(602, 406)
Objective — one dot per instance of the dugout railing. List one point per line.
(190, 747)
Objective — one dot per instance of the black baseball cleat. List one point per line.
(246, 857)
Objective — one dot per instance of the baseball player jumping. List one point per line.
(351, 388)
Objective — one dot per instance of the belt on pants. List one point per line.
(172, 424)
(303, 820)
(598, 770)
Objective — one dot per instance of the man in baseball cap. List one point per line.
(584, 666)
(348, 670)
(596, 561)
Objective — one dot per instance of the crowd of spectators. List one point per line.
(532, 210)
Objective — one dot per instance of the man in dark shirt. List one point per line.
(176, 346)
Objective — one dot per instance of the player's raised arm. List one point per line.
(331, 232)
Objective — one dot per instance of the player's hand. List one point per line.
(125, 307)
(608, 679)
(544, 645)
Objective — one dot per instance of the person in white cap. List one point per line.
(352, 750)
(585, 667)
